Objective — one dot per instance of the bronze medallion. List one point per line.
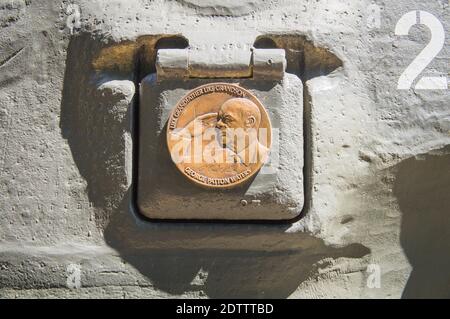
(219, 135)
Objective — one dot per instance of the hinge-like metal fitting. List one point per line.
(267, 64)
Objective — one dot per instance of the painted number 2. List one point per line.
(428, 53)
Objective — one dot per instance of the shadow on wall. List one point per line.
(223, 273)
(94, 127)
(422, 188)
(94, 131)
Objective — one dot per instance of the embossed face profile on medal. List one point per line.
(219, 135)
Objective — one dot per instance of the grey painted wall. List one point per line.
(378, 158)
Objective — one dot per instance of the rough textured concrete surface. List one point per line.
(375, 221)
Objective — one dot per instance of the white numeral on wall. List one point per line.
(428, 53)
